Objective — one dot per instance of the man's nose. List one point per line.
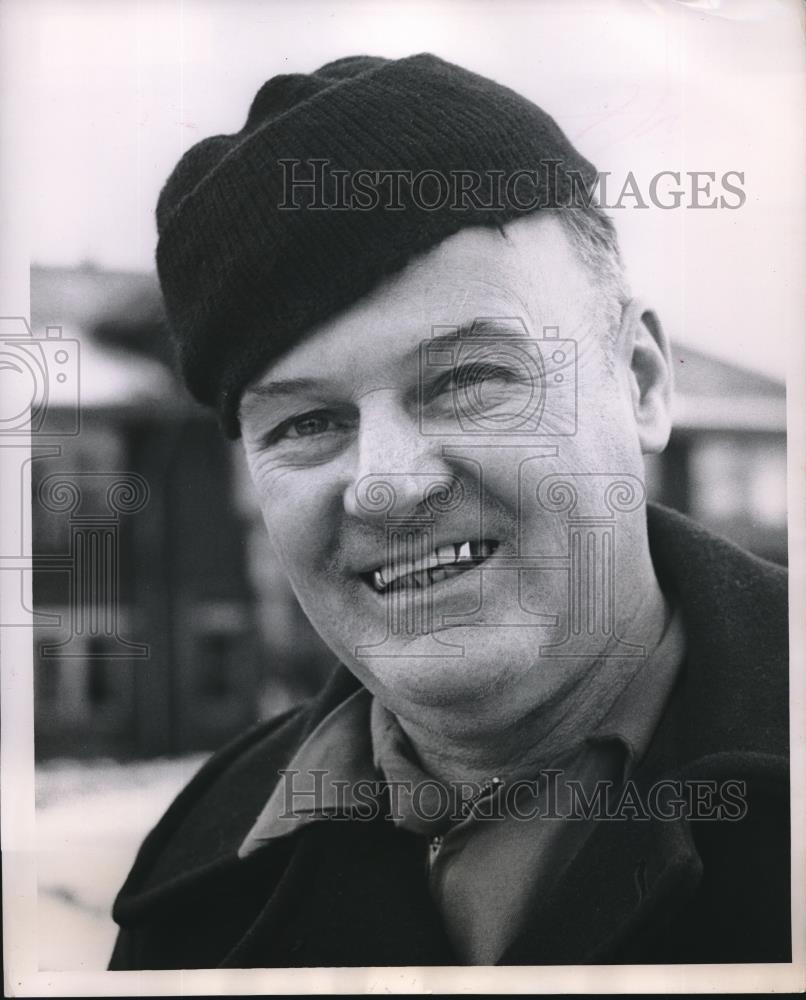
(396, 467)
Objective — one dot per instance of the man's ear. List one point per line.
(645, 361)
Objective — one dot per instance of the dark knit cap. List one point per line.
(245, 274)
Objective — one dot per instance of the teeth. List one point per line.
(446, 554)
(481, 550)
(440, 563)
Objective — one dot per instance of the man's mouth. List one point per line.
(441, 563)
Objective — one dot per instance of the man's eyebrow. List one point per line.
(504, 326)
(283, 387)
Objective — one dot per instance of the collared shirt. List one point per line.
(489, 861)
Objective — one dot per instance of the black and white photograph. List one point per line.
(403, 510)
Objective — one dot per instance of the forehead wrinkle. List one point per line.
(509, 273)
(371, 390)
(475, 303)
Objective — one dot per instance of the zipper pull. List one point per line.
(489, 786)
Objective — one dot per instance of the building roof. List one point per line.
(115, 320)
(714, 394)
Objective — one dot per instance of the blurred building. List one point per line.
(152, 637)
(164, 622)
(725, 464)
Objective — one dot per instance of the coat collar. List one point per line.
(734, 606)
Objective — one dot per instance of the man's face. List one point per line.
(349, 434)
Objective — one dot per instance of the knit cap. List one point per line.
(335, 181)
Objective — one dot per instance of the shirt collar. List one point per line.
(634, 716)
(322, 776)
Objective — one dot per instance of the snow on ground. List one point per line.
(91, 818)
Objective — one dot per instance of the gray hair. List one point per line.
(594, 239)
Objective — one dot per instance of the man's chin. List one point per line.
(450, 667)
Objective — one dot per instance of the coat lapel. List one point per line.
(624, 883)
(353, 894)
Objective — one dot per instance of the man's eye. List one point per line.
(308, 425)
(466, 377)
(481, 372)
(315, 425)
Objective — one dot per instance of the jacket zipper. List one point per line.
(435, 843)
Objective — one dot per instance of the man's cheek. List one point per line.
(301, 530)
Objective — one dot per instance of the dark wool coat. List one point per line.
(348, 893)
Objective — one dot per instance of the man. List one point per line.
(557, 732)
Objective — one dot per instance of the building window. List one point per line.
(739, 478)
(97, 677)
(215, 661)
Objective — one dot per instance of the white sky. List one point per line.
(115, 91)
